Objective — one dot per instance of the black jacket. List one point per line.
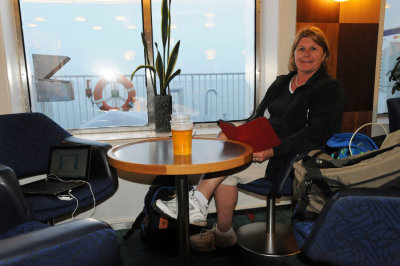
(312, 116)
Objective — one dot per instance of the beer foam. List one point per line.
(187, 125)
(180, 117)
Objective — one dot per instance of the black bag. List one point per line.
(157, 229)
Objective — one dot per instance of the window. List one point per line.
(216, 57)
(80, 54)
(390, 51)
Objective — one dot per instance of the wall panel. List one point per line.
(356, 69)
(360, 11)
(317, 11)
(351, 121)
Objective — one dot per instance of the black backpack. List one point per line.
(155, 228)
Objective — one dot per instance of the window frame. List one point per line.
(109, 133)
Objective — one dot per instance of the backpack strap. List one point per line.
(319, 163)
(300, 210)
(135, 225)
(312, 177)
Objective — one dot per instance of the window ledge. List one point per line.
(110, 134)
(382, 118)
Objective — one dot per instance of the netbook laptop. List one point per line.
(68, 168)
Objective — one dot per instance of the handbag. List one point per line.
(342, 145)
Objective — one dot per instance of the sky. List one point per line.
(103, 36)
(392, 18)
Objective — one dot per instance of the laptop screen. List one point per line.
(70, 162)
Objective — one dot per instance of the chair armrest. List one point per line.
(13, 207)
(84, 242)
(362, 224)
(96, 144)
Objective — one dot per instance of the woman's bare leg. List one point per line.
(208, 186)
(225, 200)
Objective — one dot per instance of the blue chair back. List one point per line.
(25, 141)
(358, 226)
(393, 105)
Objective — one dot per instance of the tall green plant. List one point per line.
(395, 76)
(163, 69)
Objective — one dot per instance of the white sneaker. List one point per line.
(209, 240)
(197, 213)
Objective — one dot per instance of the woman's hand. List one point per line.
(262, 156)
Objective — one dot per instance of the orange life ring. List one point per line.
(101, 103)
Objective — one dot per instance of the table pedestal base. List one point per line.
(254, 238)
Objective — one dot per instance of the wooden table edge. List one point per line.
(183, 169)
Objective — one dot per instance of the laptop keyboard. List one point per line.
(50, 187)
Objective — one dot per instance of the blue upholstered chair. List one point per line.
(25, 141)
(24, 241)
(355, 227)
(270, 238)
(393, 105)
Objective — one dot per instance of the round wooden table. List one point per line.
(155, 156)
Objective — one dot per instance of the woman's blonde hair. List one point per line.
(315, 34)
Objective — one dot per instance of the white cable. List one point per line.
(94, 199)
(52, 176)
(367, 124)
(77, 204)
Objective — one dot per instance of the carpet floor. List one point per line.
(135, 252)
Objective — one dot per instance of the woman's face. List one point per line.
(308, 56)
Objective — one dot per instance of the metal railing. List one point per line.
(207, 97)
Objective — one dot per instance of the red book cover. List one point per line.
(258, 133)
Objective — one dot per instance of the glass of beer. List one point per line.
(181, 127)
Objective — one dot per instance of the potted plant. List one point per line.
(163, 69)
(395, 76)
(393, 103)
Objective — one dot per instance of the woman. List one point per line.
(304, 107)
